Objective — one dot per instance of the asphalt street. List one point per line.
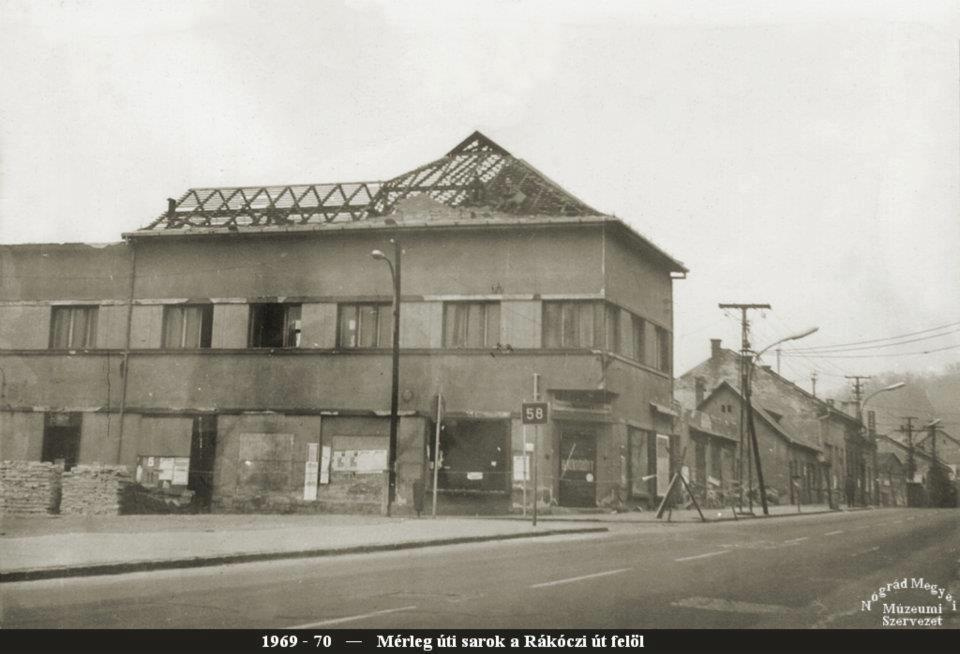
(804, 571)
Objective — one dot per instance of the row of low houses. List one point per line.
(237, 350)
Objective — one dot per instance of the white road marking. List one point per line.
(728, 606)
(898, 522)
(702, 556)
(580, 578)
(794, 541)
(913, 517)
(872, 549)
(834, 533)
(351, 618)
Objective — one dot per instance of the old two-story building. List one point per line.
(240, 344)
(809, 449)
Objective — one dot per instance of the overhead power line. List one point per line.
(880, 340)
(876, 356)
(881, 345)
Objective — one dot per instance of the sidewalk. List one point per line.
(53, 546)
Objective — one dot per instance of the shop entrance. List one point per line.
(61, 438)
(578, 469)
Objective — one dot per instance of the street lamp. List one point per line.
(395, 380)
(753, 431)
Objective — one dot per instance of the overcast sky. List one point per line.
(801, 154)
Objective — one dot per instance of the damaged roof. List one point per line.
(475, 173)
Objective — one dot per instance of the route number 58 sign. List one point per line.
(534, 413)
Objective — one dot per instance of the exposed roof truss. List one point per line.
(476, 173)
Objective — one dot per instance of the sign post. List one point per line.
(436, 448)
(535, 413)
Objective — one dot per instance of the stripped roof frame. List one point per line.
(477, 172)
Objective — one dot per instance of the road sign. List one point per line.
(534, 413)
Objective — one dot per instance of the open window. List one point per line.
(275, 325)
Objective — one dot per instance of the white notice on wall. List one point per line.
(181, 471)
(521, 467)
(325, 465)
(312, 452)
(166, 468)
(310, 471)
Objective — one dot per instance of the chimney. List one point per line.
(701, 389)
(831, 402)
(767, 368)
(714, 348)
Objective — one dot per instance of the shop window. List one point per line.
(73, 327)
(187, 326)
(471, 324)
(639, 462)
(365, 325)
(475, 455)
(275, 325)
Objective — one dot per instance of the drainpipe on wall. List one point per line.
(125, 362)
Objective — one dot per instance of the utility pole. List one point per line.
(778, 360)
(746, 408)
(911, 463)
(813, 382)
(858, 392)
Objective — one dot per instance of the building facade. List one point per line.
(240, 345)
(817, 452)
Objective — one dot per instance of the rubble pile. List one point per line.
(94, 490)
(29, 487)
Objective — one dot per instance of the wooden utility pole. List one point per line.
(746, 409)
(813, 382)
(911, 462)
(858, 392)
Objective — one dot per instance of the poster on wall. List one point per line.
(521, 467)
(361, 461)
(325, 465)
(310, 473)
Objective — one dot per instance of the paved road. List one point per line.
(788, 572)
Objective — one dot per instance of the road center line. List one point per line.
(834, 533)
(351, 618)
(793, 541)
(702, 556)
(580, 578)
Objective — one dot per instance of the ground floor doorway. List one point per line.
(61, 438)
(578, 468)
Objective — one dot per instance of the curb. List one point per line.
(36, 574)
(655, 521)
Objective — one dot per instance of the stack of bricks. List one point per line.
(94, 490)
(29, 487)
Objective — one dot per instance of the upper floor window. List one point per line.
(572, 324)
(275, 325)
(612, 324)
(365, 325)
(582, 324)
(187, 326)
(664, 357)
(639, 329)
(471, 324)
(73, 327)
